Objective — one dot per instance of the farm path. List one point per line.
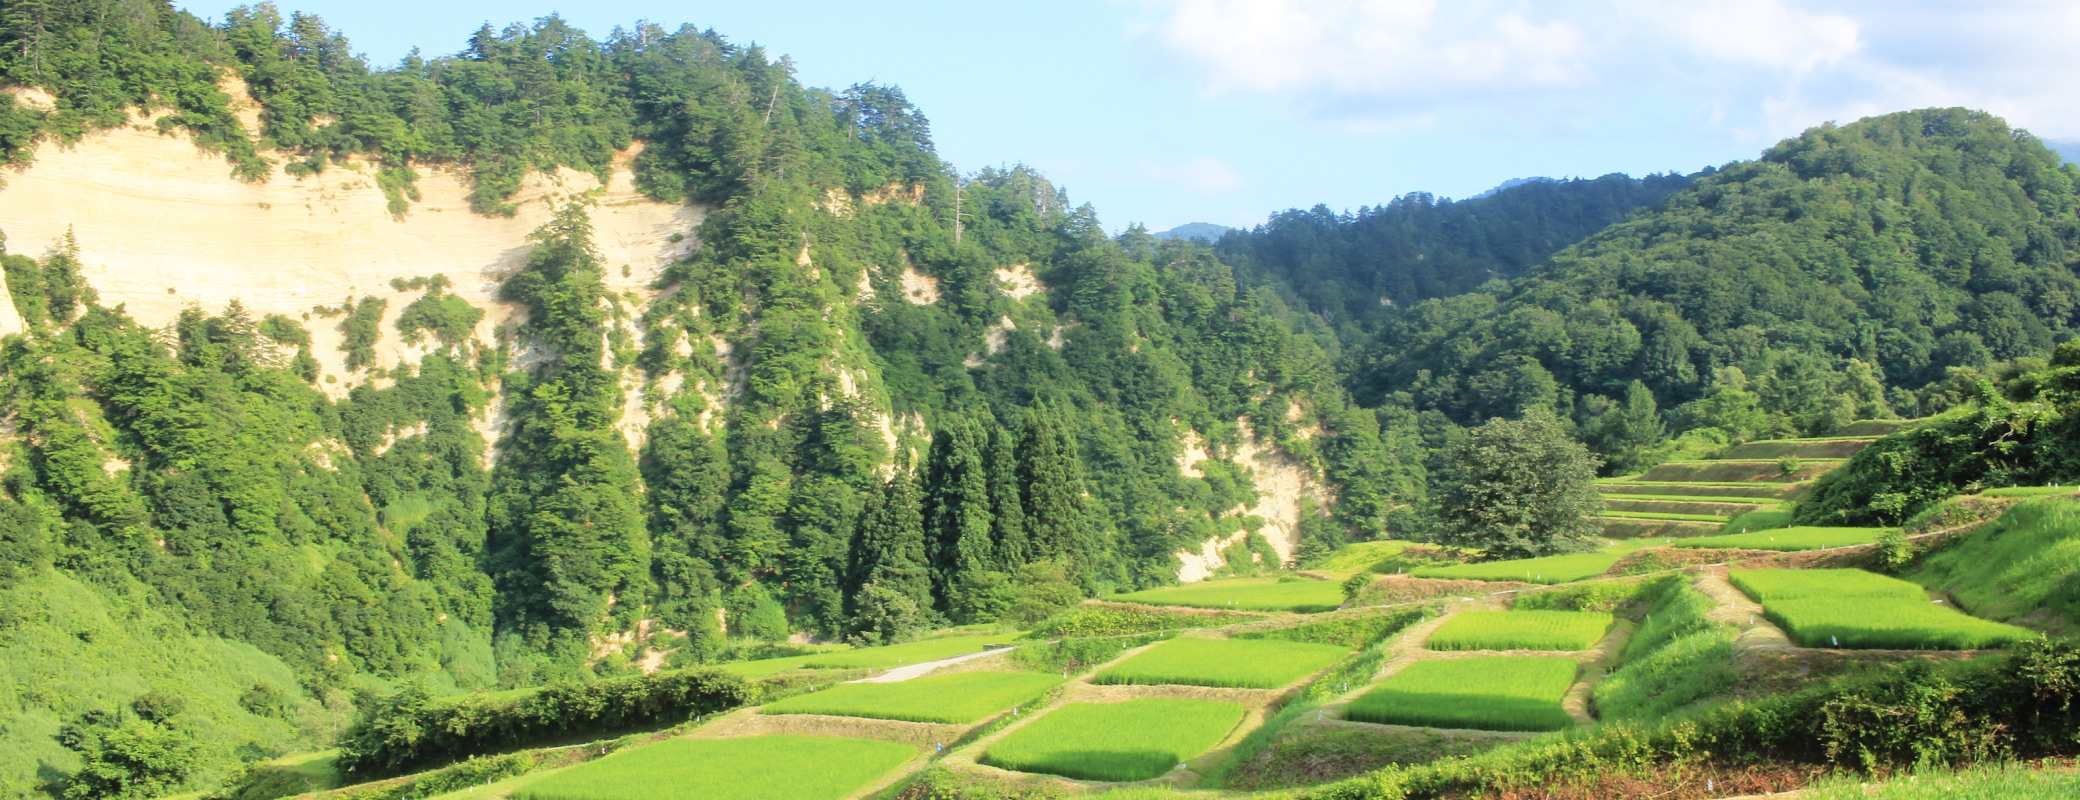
(1736, 609)
(904, 673)
(1597, 662)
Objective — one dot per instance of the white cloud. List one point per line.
(1204, 175)
(1761, 68)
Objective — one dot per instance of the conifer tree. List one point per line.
(1058, 518)
(889, 549)
(1007, 507)
(957, 508)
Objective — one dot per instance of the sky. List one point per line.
(1163, 112)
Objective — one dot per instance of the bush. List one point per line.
(407, 731)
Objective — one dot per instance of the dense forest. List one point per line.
(829, 452)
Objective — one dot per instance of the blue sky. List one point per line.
(1172, 111)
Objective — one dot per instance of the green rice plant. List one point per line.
(1681, 671)
(1771, 585)
(1785, 539)
(1522, 630)
(2020, 565)
(1759, 492)
(1131, 741)
(1548, 570)
(1606, 596)
(1765, 518)
(1738, 471)
(2029, 491)
(1225, 663)
(959, 698)
(1362, 555)
(753, 768)
(869, 657)
(1661, 515)
(1305, 595)
(1499, 693)
(1352, 631)
(1115, 620)
(1799, 448)
(1853, 609)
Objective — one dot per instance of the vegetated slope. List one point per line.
(638, 414)
(2021, 568)
(1356, 268)
(1845, 268)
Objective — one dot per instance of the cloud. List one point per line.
(1204, 175)
(1761, 68)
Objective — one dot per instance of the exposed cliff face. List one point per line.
(163, 226)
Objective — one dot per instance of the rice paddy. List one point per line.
(958, 698)
(1224, 663)
(1303, 596)
(1853, 609)
(1522, 630)
(1786, 539)
(1548, 570)
(1131, 741)
(1497, 693)
(755, 768)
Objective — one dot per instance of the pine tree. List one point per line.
(1007, 507)
(957, 509)
(1058, 518)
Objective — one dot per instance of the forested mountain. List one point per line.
(844, 413)
(1829, 280)
(1358, 269)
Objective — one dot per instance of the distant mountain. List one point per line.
(2068, 149)
(1510, 184)
(1203, 231)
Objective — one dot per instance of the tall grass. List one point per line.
(869, 657)
(1677, 657)
(957, 699)
(1861, 610)
(1131, 741)
(754, 768)
(1350, 631)
(1522, 630)
(1990, 782)
(1488, 693)
(1225, 663)
(2026, 561)
(1303, 595)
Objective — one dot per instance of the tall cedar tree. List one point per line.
(1007, 507)
(957, 508)
(889, 547)
(1519, 489)
(1059, 522)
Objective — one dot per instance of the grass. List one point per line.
(755, 768)
(1666, 515)
(1738, 471)
(1303, 596)
(1801, 449)
(1858, 610)
(869, 657)
(1990, 782)
(1619, 497)
(2022, 564)
(1548, 570)
(1522, 630)
(1785, 539)
(1488, 693)
(1766, 518)
(1384, 556)
(1131, 741)
(1352, 630)
(1225, 663)
(959, 698)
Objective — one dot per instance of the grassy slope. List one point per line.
(1230, 663)
(755, 768)
(959, 698)
(1248, 594)
(2023, 567)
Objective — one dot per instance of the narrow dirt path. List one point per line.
(1597, 663)
(1738, 610)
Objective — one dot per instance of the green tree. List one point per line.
(957, 515)
(138, 760)
(1519, 489)
(1626, 433)
(1059, 523)
(1007, 504)
(888, 547)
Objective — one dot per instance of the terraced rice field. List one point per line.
(1548, 570)
(1842, 447)
(1131, 741)
(754, 768)
(1498, 693)
(1758, 492)
(869, 657)
(1853, 609)
(1522, 630)
(1739, 471)
(1224, 663)
(2029, 491)
(959, 698)
(1785, 539)
(1303, 596)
